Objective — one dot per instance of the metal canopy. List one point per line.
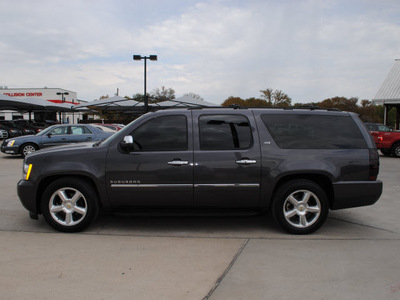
(10, 103)
(31, 104)
(127, 105)
(389, 93)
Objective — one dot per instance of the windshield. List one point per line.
(46, 130)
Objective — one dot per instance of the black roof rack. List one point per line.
(236, 106)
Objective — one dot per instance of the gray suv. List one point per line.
(299, 163)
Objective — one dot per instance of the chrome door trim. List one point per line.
(119, 185)
(239, 185)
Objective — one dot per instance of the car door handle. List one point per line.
(246, 161)
(178, 162)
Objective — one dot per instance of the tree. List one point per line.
(368, 112)
(162, 94)
(255, 102)
(233, 101)
(195, 96)
(276, 98)
(103, 97)
(341, 103)
(267, 94)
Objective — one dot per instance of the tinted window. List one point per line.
(166, 133)
(314, 131)
(224, 132)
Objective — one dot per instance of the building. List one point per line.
(55, 95)
(389, 93)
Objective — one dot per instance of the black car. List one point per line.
(11, 131)
(298, 163)
(29, 125)
(24, 130)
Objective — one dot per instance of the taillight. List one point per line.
(380, 137)
(373, 164)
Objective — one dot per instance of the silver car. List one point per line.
(3, 134)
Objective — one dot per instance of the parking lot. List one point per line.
(355, 255)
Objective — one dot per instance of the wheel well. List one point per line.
(28, 143)
(323, 181)
(48, 180)
(396, 143)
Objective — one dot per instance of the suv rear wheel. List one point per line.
(300, 206)
(69, 205)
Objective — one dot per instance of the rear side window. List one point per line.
(80, 130)
(314, 131)
(224, 132)
(165, 133)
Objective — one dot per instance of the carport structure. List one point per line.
(118, 104)
(31, 104)
(389, 93)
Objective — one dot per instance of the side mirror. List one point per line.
(49, 134)
(127, 143)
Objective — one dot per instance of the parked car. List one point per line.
(115, 127)
(24, 129)
(11, 131)
(12, 125)
(298, 163)
(105, 128)
(29, 125)
(3, 134)
(386, 140)
(53, 136)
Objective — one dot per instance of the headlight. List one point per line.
(10, 143)
(27, 169)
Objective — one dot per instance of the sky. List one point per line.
(311, 50)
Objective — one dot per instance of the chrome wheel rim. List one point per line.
(302, 209)
(28, 149)
(68, 206)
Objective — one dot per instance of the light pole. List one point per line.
(62, 101)
(62, 95)
(151, 57)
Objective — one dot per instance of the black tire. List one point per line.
(28, 148)
(386, 152)
(396, 150)
(300, 206)
(74, 204)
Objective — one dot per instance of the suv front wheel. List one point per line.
(300, 206)
(69, 205)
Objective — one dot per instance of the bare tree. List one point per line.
(163, 93)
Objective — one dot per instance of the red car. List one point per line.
(386, 140)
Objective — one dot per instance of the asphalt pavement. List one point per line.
(355, 255)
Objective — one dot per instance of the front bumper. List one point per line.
(27, 195)
(10, 150)
(355, 193)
